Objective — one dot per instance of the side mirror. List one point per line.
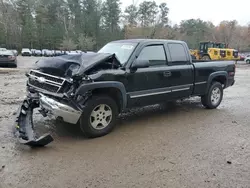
(140, 63)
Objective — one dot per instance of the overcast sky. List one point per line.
(210, 10)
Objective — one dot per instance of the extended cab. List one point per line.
(93, 88)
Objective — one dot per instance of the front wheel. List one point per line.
(248, 61)
(214, 96)
(99, 116)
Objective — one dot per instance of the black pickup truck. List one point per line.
(91, 89)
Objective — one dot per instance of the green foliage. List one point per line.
(111, 15)
(131, 15)
(194, 31)
(86, 43)
(68, 44)
(163, 14)
(147, 13)
(89, 24)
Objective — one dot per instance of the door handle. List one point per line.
(167, 74)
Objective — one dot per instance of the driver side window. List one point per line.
(155, 54)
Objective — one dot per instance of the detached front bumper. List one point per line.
(24, 128)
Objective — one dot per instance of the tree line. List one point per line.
(89, 24)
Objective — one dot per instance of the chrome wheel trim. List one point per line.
(101, 116)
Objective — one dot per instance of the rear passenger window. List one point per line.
(178, 53)
(155, 54)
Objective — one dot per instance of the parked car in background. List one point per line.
(53, 52)
(43, 51)
(79, 51)
(7, 58)
(72, 53)
(33, 51)
(242, 57)
(15, 52)
(58, 53)
(26, 52)
(247, 59)
(3, 49)
(48, 53)
(38, 53)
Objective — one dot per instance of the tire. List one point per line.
(248, 61)
(214, 96)
(206, 57)
(93, 108)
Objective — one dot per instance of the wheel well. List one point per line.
(111, 92)
(220, 79)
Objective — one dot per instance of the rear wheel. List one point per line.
(214, 96)
(248, 61)
(99, 116)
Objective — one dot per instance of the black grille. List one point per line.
(47, 82)
(44, 86)
(47, 77)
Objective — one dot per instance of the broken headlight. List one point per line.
(72, 70)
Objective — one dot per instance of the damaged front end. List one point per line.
(52, 88)
(53, 97)
(47, 107)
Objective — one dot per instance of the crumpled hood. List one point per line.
(58, 66)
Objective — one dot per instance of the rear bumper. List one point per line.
(8, 63)
(26, 54)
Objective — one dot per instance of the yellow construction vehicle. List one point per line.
(207, 51)
(230, 54)
(214, 51)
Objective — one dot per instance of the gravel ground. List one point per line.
(179, 145)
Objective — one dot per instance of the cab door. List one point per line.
(150, 85)
(182, 71)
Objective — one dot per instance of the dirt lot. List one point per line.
(180, 145)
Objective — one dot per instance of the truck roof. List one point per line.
(146, 40)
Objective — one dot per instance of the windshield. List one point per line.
(222, 45)
(121, 50)
(210, 45)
